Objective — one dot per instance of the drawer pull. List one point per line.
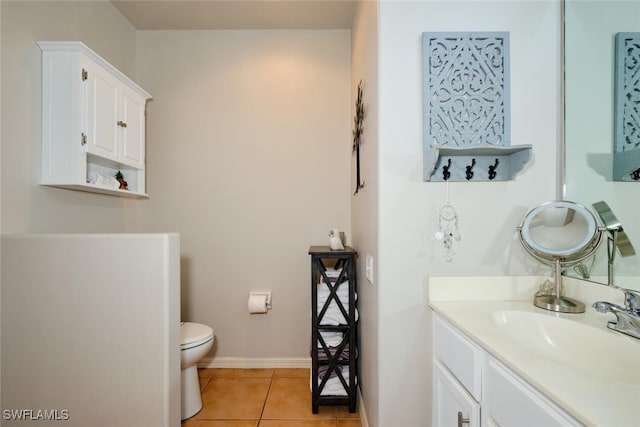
(462, 420)
(121, 124)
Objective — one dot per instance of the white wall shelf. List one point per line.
(91, 188)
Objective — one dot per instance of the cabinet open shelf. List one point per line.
(91, 188)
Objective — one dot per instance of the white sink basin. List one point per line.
(572, 345)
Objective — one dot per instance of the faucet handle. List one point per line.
(631, 299)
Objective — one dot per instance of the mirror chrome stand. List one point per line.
(557, 302)
(549, 233)
(612, 243)
(617, 238)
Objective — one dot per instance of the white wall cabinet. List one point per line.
(93, 122)
(472, 389)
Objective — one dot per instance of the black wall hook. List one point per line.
(469, 169)
(492, 169)
(446, 174)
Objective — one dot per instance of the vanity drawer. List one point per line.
(461, 356)
(510, 401)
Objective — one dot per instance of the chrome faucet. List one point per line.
(628, 317)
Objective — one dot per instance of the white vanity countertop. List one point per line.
(591, 372)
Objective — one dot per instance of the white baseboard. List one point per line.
(284, 362)
(362, 411)
(249, 363)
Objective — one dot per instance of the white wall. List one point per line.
(248, 158)
(488, 212)
(90, 324)
(364, 204)
(26, 206)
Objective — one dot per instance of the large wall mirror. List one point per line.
(590, 28)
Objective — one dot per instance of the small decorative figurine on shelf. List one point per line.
(120, 178)
(335, 240)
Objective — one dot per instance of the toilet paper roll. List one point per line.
(257, 304)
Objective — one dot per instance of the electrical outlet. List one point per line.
(368, 269)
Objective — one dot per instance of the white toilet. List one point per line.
(195, 341)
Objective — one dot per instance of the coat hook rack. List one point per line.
(635, 175)
(446, 173)
(470, 169)
(492, 169)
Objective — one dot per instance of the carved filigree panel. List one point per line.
(467, 93)
(467, 109)
(626, 156)
(627, 91)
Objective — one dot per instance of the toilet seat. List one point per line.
(194, 334)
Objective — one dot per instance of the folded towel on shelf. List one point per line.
(331, 339)
(332, 307)
(333, 386)
(342, 290)
(342, 293)
(334, 317)
(333, 274)
(333, 350)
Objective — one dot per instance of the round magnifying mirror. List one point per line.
(559, 230)
(559, 233)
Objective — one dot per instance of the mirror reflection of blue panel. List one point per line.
(626, 159)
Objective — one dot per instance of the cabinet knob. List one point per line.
(121, 124)
(462, 420)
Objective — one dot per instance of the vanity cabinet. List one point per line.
(93, 122)
(471, 388)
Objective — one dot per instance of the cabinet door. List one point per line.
(132, 131)
(103, 92)
(452, 404)
(461, 356)
(509, 401)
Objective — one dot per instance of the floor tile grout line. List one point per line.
(264, 404)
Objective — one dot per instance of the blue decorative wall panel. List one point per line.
(467, 88)
(626, 165)
(466, 107)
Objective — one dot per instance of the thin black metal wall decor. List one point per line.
(626, 151)
(467, 108)
(358, 128)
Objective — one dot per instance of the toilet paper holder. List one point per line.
(265, 294)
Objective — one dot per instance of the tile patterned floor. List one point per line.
(263, 398)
